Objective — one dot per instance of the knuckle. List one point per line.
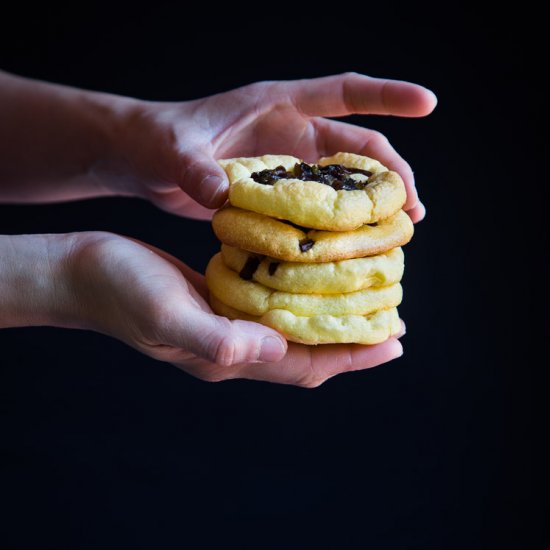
(378, 137)
(345, 363)
(212, 377)
(310, 382)
(350, 74)
(310, 377)
(347, 97)
(405, 166)
(257, 88)
(224, 352)
(348, 89)
(222, 326)
(190, 163)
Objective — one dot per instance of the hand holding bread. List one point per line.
(311, 251)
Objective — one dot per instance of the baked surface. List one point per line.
(321, 278)
(313, 204)
(322, 329)
(256, 299)
(274, 238)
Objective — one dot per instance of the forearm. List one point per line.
(54, 140)
(35, 285)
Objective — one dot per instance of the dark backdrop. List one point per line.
(102, 446)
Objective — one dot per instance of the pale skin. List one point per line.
(59, 144)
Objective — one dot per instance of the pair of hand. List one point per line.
(166, 153)
(167, 149)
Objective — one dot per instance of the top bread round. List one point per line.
(313, 204)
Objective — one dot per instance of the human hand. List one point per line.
(156, 304)
(167, 152)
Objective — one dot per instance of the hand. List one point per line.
(156, 304)
(167, 148)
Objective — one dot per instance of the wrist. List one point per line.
(111, 168)
(144, 153)
(35, 283)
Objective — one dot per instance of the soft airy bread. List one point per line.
(257, 299)
(321, 278)
(322, 329)
(313, 204)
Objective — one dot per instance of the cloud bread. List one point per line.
(321, 278)
(322, 329)
(257, 299)
(311, 203)
(274, 238)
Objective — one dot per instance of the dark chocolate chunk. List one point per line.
(269, 177)
(249, 268)
(304, 172)
(272, 268)
(372, 224)
(335, 175)
(306, 244)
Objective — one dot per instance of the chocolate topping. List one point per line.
(272, 268)
(249, 268)
(335, 175)
(269, 177)
(306, 244)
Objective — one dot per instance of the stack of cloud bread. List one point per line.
(312, 251)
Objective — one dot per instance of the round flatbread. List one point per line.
(274, 238)
(311, 203)
(321, 278)
(257, 299)
(322, 329)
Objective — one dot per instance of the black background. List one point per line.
(102, 446)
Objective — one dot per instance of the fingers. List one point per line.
(359, 358)
(418, 213)
(334, 136)
(350, 93)
(221, 341)
(203, 179)
(172, 318)
(310, 366)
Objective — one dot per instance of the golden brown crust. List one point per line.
(265, 235)
(313, 204)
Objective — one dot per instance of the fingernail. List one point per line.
(272, 349)
(403, 329)
(422, 210)
(398, 352)
(434, 97)
(212, 188)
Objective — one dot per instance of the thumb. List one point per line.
(204, 179)
(225, 342)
